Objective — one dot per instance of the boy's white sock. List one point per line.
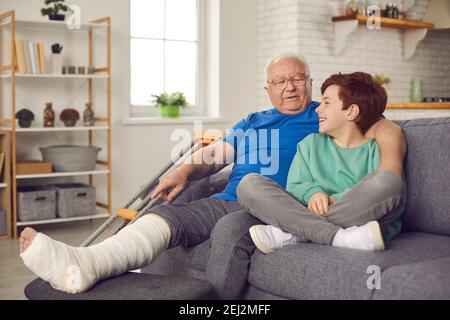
(75, 270)
(367, 237)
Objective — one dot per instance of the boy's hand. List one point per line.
(319, 203)
(330, 200)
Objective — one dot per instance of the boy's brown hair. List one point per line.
(362, 89)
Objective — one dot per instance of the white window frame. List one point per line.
(147, 111)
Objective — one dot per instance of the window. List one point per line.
(165, 50)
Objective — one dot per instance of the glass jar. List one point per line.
(388, 13)
(395, 11)
(88, 116)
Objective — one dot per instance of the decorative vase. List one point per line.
(416, 90)
(56, 63)
(88, 116)
(49, 115)
(170, 111)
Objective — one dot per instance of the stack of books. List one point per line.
(30, 57)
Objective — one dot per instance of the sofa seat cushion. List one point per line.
(311, 271)
(426, 280)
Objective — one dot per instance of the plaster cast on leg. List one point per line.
(76, 270)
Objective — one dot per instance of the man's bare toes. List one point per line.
(26, 238)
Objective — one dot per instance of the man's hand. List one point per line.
(319, 203)
(392, 144)
(171, 185)
(194, 168)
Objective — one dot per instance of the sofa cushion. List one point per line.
(311, 271)
(428, 280)
(427, 169)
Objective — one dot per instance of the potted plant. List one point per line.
(54, 10)
(382, 79)
(170, 103)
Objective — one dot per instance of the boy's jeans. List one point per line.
(377, 197)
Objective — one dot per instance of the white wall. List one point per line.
(141, 150)
(305, 26)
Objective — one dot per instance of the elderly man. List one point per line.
(219, 216)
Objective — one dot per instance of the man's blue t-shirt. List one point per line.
(265, 143)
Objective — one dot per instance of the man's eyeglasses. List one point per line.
(283, 82)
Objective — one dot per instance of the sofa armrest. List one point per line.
(423, 280)
(205, 187)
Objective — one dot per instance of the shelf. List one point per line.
(60, 129)
(98, 171)
(54, 25)
(60, 220)
(56, 76)
(418, 105)
(414, 31)
(3, 185)
(15, 81)
(388, 22)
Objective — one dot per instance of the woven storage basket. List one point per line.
(71, 158)
(74, 200)
(36, 203)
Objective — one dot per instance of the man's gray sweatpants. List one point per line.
(226, 224)
(376, 197)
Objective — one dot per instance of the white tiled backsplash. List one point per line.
(305, 26)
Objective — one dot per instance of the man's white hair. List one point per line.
(286, 55)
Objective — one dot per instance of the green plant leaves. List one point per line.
(170, 99)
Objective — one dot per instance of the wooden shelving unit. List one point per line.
(414, 31)
(418, 105)
(5, 184)
(8, 72)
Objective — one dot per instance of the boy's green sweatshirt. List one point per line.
(320, 165)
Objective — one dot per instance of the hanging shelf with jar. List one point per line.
(414, 30)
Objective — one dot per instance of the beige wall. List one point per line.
(141, 150)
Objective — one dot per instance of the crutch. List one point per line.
(140, 204)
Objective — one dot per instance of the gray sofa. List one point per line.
(416, 264)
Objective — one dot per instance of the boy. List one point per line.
(323, 174)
